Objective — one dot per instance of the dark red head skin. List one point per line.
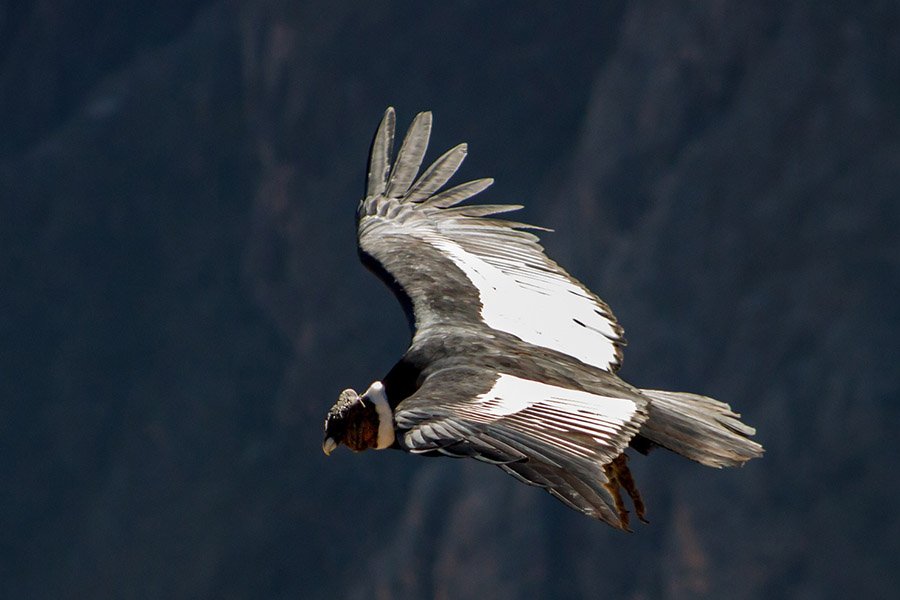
(352, 421)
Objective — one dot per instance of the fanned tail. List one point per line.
(699, 428)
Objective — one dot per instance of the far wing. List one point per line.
(453, 265)
(553, 437)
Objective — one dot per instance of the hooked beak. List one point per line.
(328, 446)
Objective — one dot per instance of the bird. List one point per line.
(512, 360)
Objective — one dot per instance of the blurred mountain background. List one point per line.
(181, 301)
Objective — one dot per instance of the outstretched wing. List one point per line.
(459, 266)
(553, 437)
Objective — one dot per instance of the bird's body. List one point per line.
(512, 360)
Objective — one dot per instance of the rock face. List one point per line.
(181, 298)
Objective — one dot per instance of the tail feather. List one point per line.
(699, 428)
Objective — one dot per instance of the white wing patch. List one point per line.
(550, 408)
(536, 305)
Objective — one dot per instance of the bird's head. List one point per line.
(360, 422)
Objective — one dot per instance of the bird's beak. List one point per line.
(328, 446)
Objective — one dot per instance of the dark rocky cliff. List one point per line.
(180, 298)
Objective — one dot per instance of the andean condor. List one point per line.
(513, 361)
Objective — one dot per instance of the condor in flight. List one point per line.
(513, 361)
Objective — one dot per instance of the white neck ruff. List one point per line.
(378, 397)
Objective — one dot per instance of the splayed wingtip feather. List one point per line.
(380, 155)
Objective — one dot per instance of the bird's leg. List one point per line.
(612, 486)
(627, 481)
(619, 476)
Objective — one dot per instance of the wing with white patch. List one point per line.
(452, 264)
(557, 438)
